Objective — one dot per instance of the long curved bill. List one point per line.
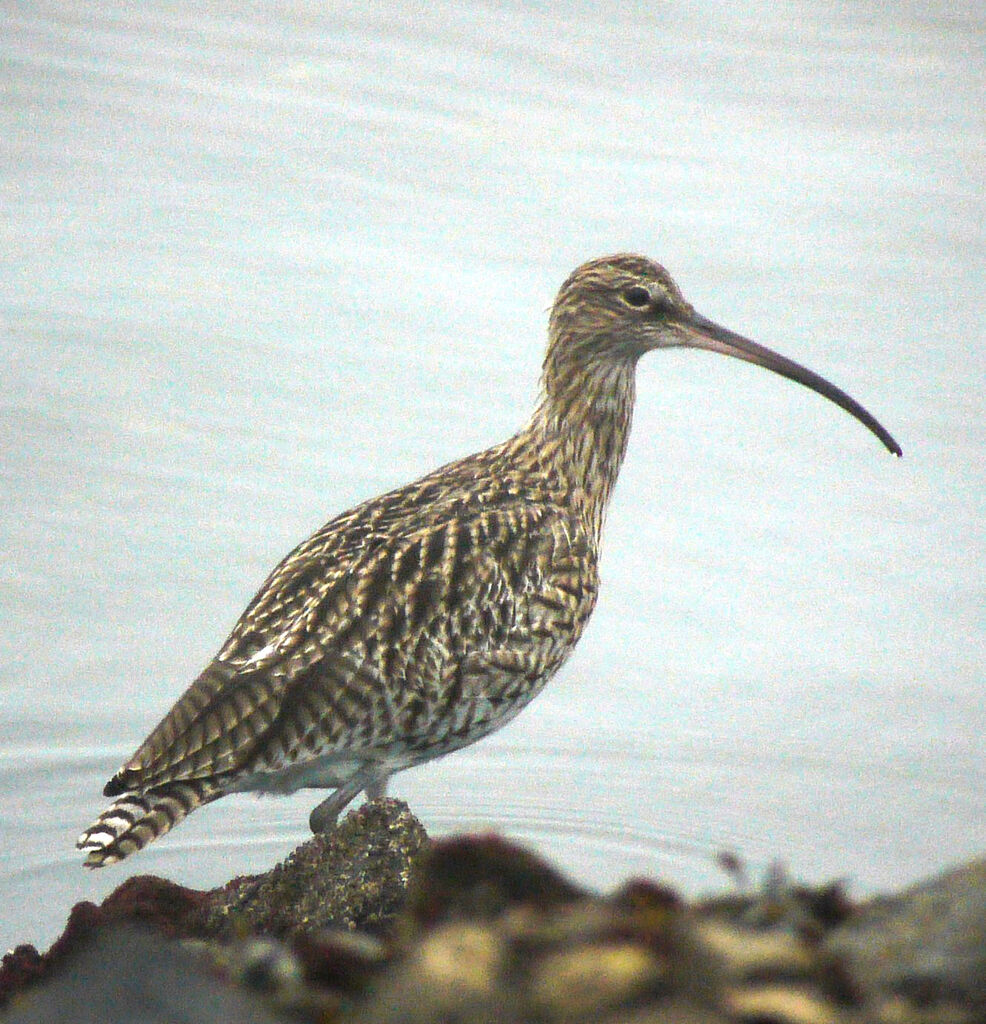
(699, 332)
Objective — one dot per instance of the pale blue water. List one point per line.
(259, 266)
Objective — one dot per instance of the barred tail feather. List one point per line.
(137, 819)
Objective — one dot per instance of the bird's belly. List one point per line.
(325, 771)
(468, 722)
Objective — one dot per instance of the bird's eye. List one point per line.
(636, 295)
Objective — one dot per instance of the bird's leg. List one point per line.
(377, 788)
(371, 777)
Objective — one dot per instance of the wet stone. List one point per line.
(122, 973)
(372, 923)
(924, 947)
(354, 876)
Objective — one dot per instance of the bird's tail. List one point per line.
(137, 819)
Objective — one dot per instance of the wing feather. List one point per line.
(366, 639)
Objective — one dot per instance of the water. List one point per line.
(260, 265)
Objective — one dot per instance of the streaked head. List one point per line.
(614, 309)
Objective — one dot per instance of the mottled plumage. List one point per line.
(425, 618)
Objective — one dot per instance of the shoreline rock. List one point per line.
(372, 922)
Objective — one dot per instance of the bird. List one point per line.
(424, 619)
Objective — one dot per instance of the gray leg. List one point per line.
(370, 777)
(377, 788)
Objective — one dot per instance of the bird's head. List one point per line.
(617, 307)
(612, 310)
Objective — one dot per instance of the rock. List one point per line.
(922, 950)
(492, 933)
(121, 974)
(370, 923)
(170, 910)
(354, 876)
(479, 877)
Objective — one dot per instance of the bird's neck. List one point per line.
(579, 432)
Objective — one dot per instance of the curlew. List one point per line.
(424, 619)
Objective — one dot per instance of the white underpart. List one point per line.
(327, 771)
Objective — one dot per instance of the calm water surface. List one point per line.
(259, 266)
